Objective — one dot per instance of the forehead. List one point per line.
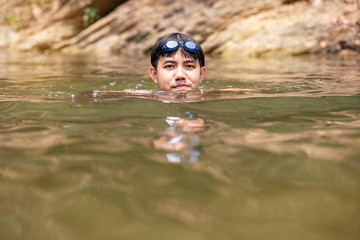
(179, 57)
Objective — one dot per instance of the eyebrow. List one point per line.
(190, 61)
(172, 61)
(169, 61)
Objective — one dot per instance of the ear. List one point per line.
(152, 72)
(202, 73)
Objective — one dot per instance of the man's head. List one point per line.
(178, 63)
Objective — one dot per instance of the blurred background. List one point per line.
(224, 28)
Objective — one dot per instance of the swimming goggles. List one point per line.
(173, 45)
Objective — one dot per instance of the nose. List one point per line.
(180, 73)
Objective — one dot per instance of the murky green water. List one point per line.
(282, 162)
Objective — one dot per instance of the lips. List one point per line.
(181, 87)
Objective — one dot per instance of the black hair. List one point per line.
(157, 51)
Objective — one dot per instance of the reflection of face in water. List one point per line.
(179, 97)
(181, 139)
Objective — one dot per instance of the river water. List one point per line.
(279, 160)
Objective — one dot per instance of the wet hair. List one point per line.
(157, 51)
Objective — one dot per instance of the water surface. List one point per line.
(279, 160)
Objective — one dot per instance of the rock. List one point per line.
(227, 28)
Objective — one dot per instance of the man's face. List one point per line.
(177, 73)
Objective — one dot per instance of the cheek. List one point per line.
(165, 76)
(164, 79)
(195, 76)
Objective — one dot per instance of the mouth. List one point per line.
(181, 87)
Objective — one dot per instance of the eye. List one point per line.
(190, 66)
(169, 66)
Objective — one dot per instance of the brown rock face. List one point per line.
(228, 28)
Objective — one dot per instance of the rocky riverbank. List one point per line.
(227, 28)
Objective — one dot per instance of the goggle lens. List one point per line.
(172, 45)
(190, 46)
